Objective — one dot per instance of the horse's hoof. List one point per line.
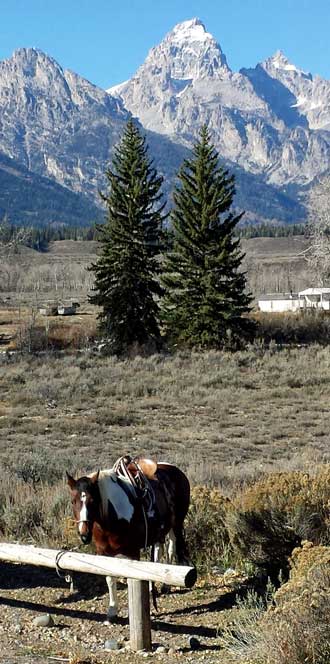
(111, 620)
(112, 617)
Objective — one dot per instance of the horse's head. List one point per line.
(85, 498)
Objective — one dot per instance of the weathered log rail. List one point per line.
(138, 574)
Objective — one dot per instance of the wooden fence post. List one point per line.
(139, 614)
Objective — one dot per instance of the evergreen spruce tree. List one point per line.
(126, 280)
(204, 286)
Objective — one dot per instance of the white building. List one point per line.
(279, 302)
(310, 298)
(318, 298)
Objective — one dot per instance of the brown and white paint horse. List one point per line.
(108, 512)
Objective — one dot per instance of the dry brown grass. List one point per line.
(224, 416)
(227, 419)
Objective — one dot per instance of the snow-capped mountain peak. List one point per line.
(272, 121)
(191, 52)
(281, 63)
(309, 95)
(187, 53)
(192, 30)
(261, 119)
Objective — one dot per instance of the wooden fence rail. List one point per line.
(138, 574)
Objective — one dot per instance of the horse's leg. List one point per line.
(113, 598)
(171, 547)
(181, 545)
(158, 552)
(170, 550)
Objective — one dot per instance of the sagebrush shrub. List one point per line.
(299, 626)
(34, 512)
(303, 501)
(41, 466)
(295, 628)
(305, 327)
(263, 538)
(206, 529)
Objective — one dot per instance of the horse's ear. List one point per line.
(94, 477)
(71, 481)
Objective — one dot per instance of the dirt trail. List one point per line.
(79, 632)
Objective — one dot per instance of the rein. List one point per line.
(121, 469)
(139, 482)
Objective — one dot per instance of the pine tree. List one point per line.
(126, 282)
(204, 286)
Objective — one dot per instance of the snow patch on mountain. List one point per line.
(115, 90)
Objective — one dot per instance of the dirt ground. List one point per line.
(186, 627)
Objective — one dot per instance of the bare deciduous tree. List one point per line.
(11, 237)
(318, 232)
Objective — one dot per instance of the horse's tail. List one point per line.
(177, 491)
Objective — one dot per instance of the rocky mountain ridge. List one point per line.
(27, 198)
(51, 119)
(270, 124)
(273, 120)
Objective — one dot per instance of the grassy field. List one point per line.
(217, 414)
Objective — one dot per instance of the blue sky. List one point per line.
(106, 40)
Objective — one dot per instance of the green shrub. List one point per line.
(262, 538)
(275, 513)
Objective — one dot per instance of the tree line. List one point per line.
(191, 290)
(39, 238)
(270, 230)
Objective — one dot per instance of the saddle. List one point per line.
(148, 467)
